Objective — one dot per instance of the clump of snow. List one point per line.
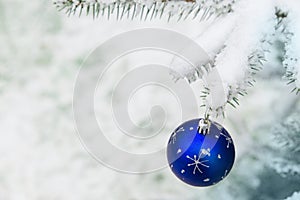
(214, 37)
(233, 62)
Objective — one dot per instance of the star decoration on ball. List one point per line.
(200, 152)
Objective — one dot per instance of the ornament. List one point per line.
(200, 152)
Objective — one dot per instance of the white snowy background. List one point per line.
(41, 157)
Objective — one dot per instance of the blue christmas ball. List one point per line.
(200, 154)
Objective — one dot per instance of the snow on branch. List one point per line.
(290, 30)
(287, 134)
(236, 44)
(146, 9)
(212, 41)
(287, 139)
(244, 52)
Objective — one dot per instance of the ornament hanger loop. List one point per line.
(204, 125)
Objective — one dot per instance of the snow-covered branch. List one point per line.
(212, 41)
(287, 139)
(290, 30)
(244, 53)
(238, 51)
(146, 9)
(236, 43)
(287, 134)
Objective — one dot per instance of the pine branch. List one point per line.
(211, 40)
(146, 9)
(183, 70)
(287, 134)
(255, 61)
(288, 26)
(287, 140)
(236, 66)
(255, 64)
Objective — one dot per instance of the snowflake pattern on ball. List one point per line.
(197, 161)
(181, 129)
(228, 139)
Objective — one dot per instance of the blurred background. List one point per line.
(41, 156)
